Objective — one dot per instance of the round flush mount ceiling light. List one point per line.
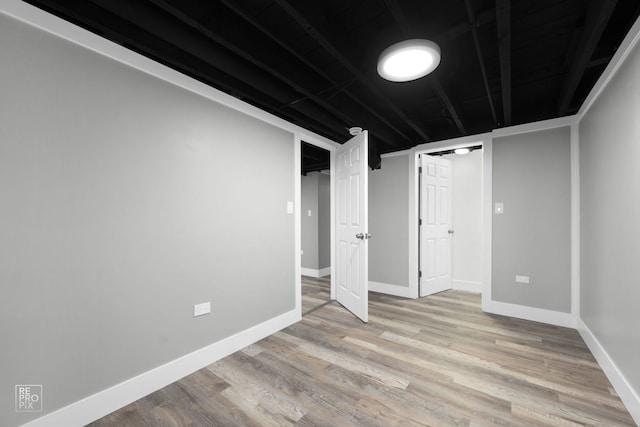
(461, 150)
(408, 60)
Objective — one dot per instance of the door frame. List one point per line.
(486, 140)
(331, 147)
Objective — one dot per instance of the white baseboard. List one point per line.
(316, 273)
(465, 285)
(385, 288)
(627, 394)
(102, 403)
(541, 315)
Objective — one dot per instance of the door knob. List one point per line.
(450, 231)
(360, 236)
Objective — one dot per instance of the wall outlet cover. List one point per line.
(522, 279)
(200, 309)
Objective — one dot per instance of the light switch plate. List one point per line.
(522, 279)
(289, 207)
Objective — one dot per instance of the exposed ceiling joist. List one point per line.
(310, 29)
(217, 57)
(285, 45)
(313, 63)
(406, 29)
(503, 18)
(483, 69)
(448, 103)
(200, 28)
(598, 16)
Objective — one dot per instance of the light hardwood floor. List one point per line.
(436, 361)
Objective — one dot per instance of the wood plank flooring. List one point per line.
(437, 361)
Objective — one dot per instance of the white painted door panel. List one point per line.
(351, 210)
(435, 212)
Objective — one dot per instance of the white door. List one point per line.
(435, 228)
(352, 273)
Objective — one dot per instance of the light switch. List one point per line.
(309, 212)
(499, 210)
(289, 207)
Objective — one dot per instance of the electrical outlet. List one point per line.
(522, 279)
(200, 309)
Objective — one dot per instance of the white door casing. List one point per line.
(436, 228)
(352, 273)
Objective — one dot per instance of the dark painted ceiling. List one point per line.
(314, 62)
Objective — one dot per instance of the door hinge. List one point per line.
(420, 221)
(419, 274)
(419, 169)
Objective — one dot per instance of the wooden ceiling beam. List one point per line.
(405, 27)
(503, 20)
(310, 29)
(598, 16)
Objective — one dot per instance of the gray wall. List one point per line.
(324, 221)
(309, 224)
(123, 201)
(389, 222)
(531, 176)
(466, 253)
(609, 219)
(316, 229)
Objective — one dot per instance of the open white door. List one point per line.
(352, 270)
(435, 228)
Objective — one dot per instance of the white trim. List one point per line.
(389, 289)
(487, 221)
(575, 220)
(324, 272)
(334, 259)
(51, 24)
(396, 154)
(102, 403)
(486, 141)
(624, 50)
(297, 213)
(466, 285)
(534, 126)
(414, 240)
(331, 147)
(451, 144)
(623, 388)
(541, 315)
(312, 272)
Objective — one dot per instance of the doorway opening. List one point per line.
(315, 221)
(450, 219)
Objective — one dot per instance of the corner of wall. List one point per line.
(103, 403)
(623, 388)
(534, 314)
